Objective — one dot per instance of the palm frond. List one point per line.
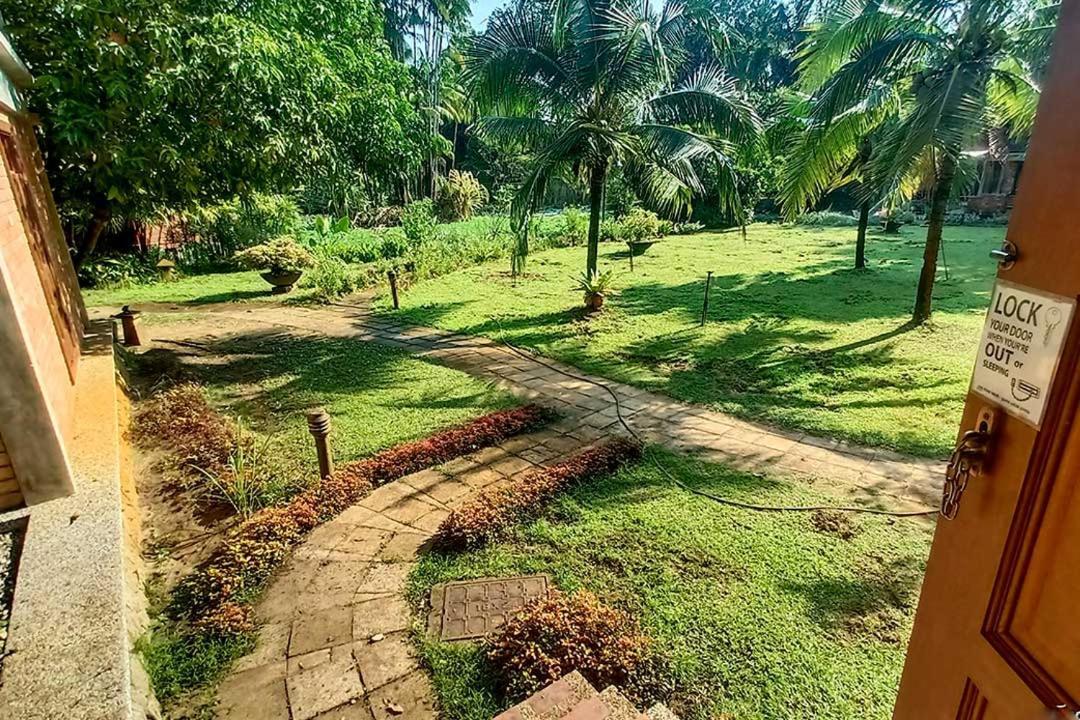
(709, 100)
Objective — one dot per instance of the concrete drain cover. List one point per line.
(471, 609)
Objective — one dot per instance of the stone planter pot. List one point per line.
(594, 301)
(282, 282)
(892, 227)
(640, 248)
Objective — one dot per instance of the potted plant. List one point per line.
(594, 285)
(282, 260)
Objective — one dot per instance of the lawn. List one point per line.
(758, 616)
(377, 396)
(193, 290)
(795, 336)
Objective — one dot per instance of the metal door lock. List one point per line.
(966, 461)
(1005, 255)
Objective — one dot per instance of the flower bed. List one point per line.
(487, 515)
(217, 597)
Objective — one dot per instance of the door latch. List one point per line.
(966, 461)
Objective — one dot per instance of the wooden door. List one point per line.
(997, 634)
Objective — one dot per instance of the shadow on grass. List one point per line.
(891, 588)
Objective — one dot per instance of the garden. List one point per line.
(479, 245)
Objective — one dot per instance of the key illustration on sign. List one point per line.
(1053, 319)
(1019, 350)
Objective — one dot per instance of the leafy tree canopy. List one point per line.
(159, 104)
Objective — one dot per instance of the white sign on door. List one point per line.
(1019, 350)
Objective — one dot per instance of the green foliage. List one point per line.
(750, 615)
(575, 230)
(280, 256)
(165, 104)
(226, 228)
(640, 225)
(585, 100)
(119, 270)
(827, 218)
(418, 222)
(594, 283)
(794, 338)
(460, 194)
(179, 660)
(330, 277)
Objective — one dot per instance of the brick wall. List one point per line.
(41, 320)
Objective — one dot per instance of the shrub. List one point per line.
(418, 222)
(228, 227)
(240, 567)
(575, 230)
(460, 193)
(182, 420)
(640, 225)
(827, 218)
(394, 244)
(487, 515)
(330, 278)
(556, 635)
(610, 231)
(248, 481)
(119, 269)
(280, 256)
(353, 246)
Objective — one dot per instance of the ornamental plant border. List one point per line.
(486, 516)
(217, 597)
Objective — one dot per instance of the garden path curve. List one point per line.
(856, 474)
(334, 637)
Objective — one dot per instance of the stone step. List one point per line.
(553, 702)
(619, 707)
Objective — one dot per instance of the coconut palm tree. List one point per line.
(942, 54)
(587, 86)
(836, 152)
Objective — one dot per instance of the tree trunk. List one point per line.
(94, 231)
(596, 208)
(936, 220)
(860, 239)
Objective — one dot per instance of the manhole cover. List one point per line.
(474, 608)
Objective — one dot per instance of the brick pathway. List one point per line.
(334, 644)
(334, 641)
(857, 475)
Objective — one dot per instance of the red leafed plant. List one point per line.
(556, 635)
(210, 597)
(489, 513)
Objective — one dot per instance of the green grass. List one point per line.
(758, 615)
(796, 337)
(377, 397)
(193, 290)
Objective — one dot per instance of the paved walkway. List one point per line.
(855, 474)
(335, 642)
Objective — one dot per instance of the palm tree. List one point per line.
(587, 86)
(942, 54)
(836, 152)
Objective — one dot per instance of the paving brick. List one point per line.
(271, 646)
(412, 695)
(380, 616)
(262, 687)
(321, 630)
(383, 579)
(402, 547)
(326, 684)
(386, 660)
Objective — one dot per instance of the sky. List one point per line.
(481, 9)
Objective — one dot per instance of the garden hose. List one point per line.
(694, 491)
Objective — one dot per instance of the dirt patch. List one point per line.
(833, 522)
